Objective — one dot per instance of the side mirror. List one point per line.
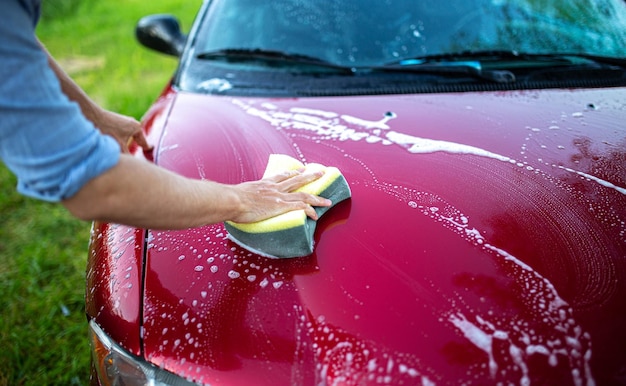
(161, 33)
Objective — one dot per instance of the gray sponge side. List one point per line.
(286, 243)
(336, 192)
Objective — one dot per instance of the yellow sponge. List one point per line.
(290, 234)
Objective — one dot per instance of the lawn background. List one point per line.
(43, 330)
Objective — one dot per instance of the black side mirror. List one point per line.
(161, 33)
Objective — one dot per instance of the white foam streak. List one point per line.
(330, 125)
(478, 337)
(596, 179)
(321, 113)
(424, 145)
(382, 124)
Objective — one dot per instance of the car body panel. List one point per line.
(114, 278)
(485, 239)
(484, 242)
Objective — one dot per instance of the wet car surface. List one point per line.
(484, 243)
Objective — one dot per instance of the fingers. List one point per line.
(138, 138)
(310, 212)
(300, 180)
(283, 176)
(277, 194)
(295, 179)
(307, 202)
(264, 199)
(308, 199)
(298, 205)
(289, 206)
(124, 129)
(141, 141)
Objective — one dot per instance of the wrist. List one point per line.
(94, 113)
(234, 202)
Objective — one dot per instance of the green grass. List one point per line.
(43, 331)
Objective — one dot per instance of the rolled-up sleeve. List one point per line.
(44, 139)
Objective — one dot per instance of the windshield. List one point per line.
(373, 32)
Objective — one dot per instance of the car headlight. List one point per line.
(117, 367)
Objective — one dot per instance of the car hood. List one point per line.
(485, 239)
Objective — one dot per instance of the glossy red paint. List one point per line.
(485, 242)
(114, 291)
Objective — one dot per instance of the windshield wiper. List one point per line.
(497, 65)
(448, 68)
(445, 67)
(256, 54)
(501, 59)
(598, 60)
(490, 65)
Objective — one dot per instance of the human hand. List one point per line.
(123, 128)
(275, 195)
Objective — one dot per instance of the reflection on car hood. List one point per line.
(484, 241)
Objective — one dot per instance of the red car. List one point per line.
(484, 143)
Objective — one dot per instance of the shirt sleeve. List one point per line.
(44, 138)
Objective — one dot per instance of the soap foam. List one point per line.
(566, 338)
(345, 127)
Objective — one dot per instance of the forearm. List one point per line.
(88, 107)
(123, 128)
(138, 193)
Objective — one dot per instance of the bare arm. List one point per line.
(121, 127)
(140, 194)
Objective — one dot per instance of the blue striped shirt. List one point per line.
(44, 138)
